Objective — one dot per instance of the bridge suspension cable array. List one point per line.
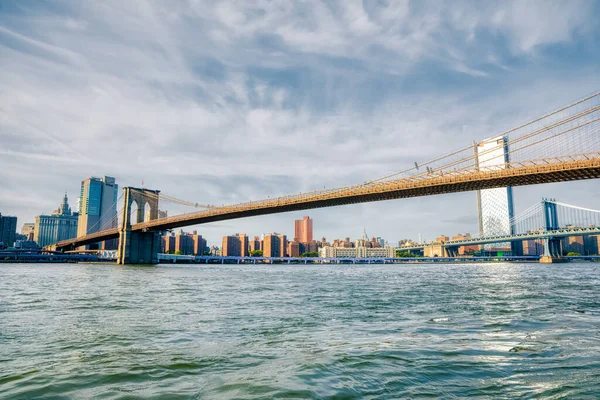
(559, 146)
(569, 133)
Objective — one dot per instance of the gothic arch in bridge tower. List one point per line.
(142, 198)
(139, 246)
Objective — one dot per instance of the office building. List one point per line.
(303, 230)
(98, 208)
(495, 206)
(8, 230)
(60, 225)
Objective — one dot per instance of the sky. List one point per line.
(220, 102)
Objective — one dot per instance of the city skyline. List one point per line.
(289, 99)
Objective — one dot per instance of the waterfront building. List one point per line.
(8, 230)
(574, 244)
(533, 247)
(406, 243)
(26, 245)
(255, 244)
(310, 247)
(98, 208)
(294, 249)
(168, 244)
(184, 243)
(272, 245)
(592, 245)
(282, 245)
(375, 243)
(303, 230)
(356, 252)
(244, 245)
(363, 241)
(495, 205)
(60, 225)
(27, 230)
(198, 243)
(435, 249)
(442, 238)
(465, 250)
(233, 245)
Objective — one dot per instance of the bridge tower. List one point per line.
(138, 247)
(552, 246)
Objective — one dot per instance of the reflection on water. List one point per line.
(379, 331)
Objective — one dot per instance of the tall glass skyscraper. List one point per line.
(495, 206)
(98, 207)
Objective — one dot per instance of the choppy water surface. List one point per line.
(371, 331)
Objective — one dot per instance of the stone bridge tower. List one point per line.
(138, 247)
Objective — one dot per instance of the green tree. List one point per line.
(310, 254)
(178, 253)
(406, 254)
(256, 253)
(573, 254)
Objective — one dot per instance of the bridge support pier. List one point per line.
(552, 252)
(138, 247)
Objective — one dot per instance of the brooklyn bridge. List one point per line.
(562, 145)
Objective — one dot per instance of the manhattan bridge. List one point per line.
(562, 145)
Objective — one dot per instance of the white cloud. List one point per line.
(222, 102)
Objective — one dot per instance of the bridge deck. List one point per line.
(560, 169)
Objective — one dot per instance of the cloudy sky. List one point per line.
(221, 102)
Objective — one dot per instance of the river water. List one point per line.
(345, 331)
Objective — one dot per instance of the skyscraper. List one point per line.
(8, 230)
(495, 206)
(98, 207)
(303, 230)
(60, 225)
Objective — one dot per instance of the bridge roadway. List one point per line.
(559, 233)
(558, 169)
